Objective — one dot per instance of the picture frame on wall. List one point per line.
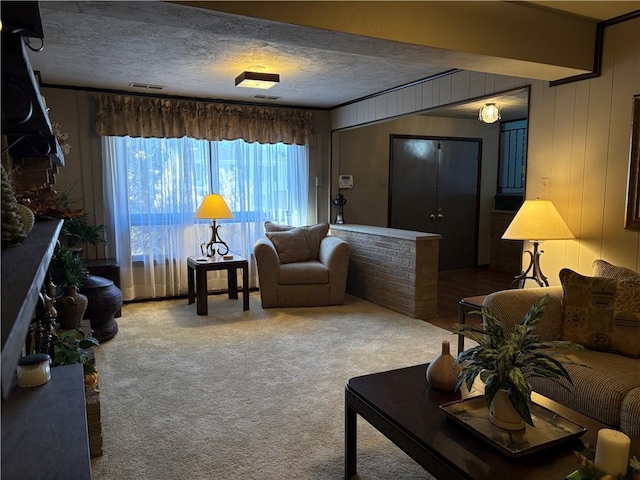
(633, 184)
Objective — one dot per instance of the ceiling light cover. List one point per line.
(257, 80)
(489, 113)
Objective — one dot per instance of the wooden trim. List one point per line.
(399, 87)
(633, 188)
(597, 53)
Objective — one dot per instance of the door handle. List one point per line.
(440, 216)
(432, 217)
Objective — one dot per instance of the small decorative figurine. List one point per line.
(339, 202)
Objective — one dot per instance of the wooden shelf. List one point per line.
(44, 429)
(23, 273)
(24, 113)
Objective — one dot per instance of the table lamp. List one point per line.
(536, 220)
(214, 207)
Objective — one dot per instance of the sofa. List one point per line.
(301, 266)
(602, 313)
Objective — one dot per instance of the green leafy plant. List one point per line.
(507, 362)
(72, 346)
(67, 267)
(78, 231)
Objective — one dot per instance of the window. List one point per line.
(513, 157)
(512, 166)
(154, 186)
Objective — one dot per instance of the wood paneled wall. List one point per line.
(579, 138)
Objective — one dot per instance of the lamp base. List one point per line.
(534, 267)
(209, 249)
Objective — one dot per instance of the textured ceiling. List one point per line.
(198, 53)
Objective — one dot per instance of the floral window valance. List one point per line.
(168, 118)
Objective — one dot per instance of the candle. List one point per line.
(612, 452)
(34, 370)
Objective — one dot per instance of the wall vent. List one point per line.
(265, 97)
(147, 86)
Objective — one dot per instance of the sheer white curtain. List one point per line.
(154, 186)
(152, 189)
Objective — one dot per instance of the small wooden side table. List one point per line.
(198, 288)
(467, 305)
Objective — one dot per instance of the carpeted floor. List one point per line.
(249, 395)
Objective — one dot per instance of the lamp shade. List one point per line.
(537, 220)
(214, 207)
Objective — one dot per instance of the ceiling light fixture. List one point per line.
(489, 113)
(257, 80)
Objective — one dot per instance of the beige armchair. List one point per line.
(301, 266)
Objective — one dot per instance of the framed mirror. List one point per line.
(633, 189)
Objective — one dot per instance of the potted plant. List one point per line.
(68, 269)
(72, 346)
(506, 362)
(78, 231)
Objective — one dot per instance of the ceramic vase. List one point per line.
(71, 308)
(503, 414)
(440, 373)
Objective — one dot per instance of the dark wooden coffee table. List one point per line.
(402, 406)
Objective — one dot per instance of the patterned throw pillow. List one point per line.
(313, 235)
(291, 245)
(602, 268)
(601, 313)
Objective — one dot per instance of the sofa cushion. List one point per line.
(602, 268)
(601, 313)
(313, 235)
(630, 412)
(312, 272)
(601, 383)
(291, 245)
(276, 227)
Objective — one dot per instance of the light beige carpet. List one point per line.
(249, 395)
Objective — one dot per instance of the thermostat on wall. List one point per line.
(345, 181)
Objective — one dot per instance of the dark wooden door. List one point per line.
(434, 188)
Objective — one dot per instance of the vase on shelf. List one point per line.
(441, 373)
(70, 308)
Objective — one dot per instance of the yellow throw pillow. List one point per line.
(601, 313)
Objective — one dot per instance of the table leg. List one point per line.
(245, 287)
(201, 292)
(190, 283)
(350, 440)
(232, 282)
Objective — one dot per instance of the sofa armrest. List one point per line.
(268, 267)
(334, 254)
(510, 307)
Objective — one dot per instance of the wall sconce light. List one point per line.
(489, 113)
(535, 221)
(259, 80)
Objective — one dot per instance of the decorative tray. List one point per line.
(550, 428)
